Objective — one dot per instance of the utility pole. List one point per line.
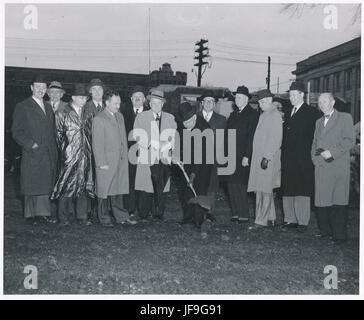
(201, 55)
(278, 85)
(268, 76)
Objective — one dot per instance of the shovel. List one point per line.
(202, 201)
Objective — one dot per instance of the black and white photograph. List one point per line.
(157, 150)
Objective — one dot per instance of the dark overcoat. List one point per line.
(38, 166)
(244, 123)
(216, 122)
(203, 169)
(297, 166)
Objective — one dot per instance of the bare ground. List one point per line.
(165, 258)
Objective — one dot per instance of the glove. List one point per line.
(264, 163)
(319, 151)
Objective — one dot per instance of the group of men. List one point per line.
(90, 156)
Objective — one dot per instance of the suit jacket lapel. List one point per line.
(330, 124)
(38, 108)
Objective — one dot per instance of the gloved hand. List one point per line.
(264, 163)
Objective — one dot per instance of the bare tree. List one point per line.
(296, 10)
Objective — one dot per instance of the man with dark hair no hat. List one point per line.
(34, 130)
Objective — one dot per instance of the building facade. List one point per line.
(165, 75)
(336, 70)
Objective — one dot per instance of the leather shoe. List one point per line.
(289, 225)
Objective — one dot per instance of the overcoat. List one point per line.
(332, 179)
(38, 166)
(110, 147)
(244, 124)
(200, 166)
(266, 144)
(74, 138)
(144, 123)
(216, 122)
(297, 166)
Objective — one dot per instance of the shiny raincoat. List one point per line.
(74, 141)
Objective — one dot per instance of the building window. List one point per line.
(348, 79)
(337, 82)
(327, 83)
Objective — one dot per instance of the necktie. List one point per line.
(54, 106)
(327, 117)
(98, 107)
(136, 112)
(207, 117)
(294, 111)
(158, 119)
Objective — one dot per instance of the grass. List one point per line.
(165, 258)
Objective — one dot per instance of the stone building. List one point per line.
(336, 70)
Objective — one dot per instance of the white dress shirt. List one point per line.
(207, 115)
(296, 108)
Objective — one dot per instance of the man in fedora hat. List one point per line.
(154, 131)
(55, 93)
(96, 89)
(33, 129)
(132, 109)
(217, 123)
(265, 171)
(93, 106)
(75, 181)
(110, 149)
(297, 166)
(191, 128)
(243, 120)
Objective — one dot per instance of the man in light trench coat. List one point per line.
(265, 171)
(333, 139)
(110, 148)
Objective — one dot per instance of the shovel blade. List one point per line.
(203, 201)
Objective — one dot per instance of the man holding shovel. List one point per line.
(194, 131)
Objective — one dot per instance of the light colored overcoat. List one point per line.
(266, 144)
(109, 144)
(145, 123)
(332, 179)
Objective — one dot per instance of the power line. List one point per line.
(251, 61)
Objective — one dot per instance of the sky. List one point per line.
(115, 38)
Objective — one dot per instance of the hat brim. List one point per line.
(248, 95)
(88, 88)
(59, 88)
(149, 97)
(203, 97)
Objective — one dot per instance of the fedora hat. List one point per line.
(243, 90)
(56, 85)
(158, 94)
(79, 89)
(297, 85)
(95, 82)
(208, 93)
(137, 89)
(186, 111)
(265, 93)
